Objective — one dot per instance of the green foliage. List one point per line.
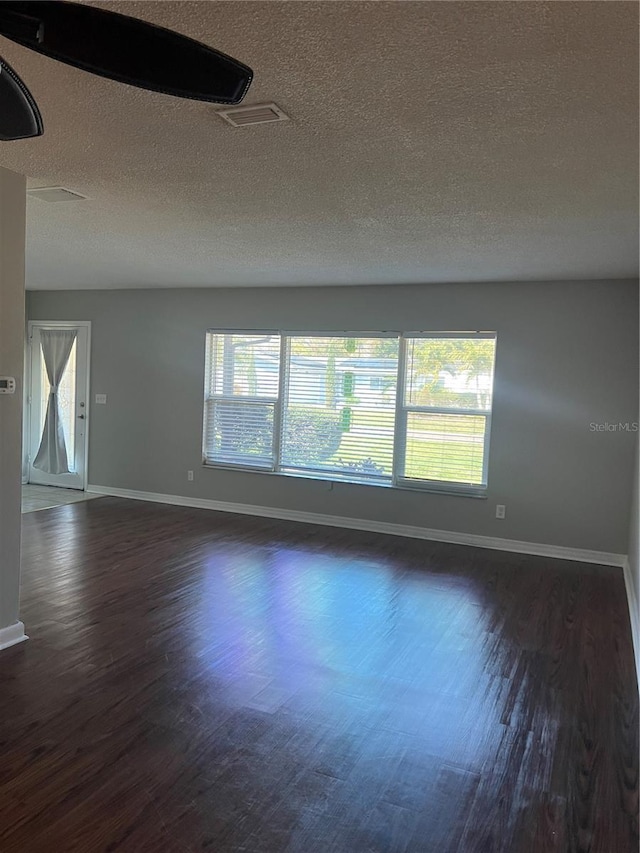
(311, 435)
(385, 348)
(252, 376)
(330, 381)
(432, 355)
(360, 466)
(345, 347)
(243, 429)
(429, 358)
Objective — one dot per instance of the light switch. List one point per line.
(101, 399)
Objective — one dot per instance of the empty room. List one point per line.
(319, 382)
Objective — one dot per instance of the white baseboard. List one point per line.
(11, 635)
(556, 551)
(634, 614)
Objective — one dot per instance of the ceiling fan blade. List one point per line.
(125, 49)
(19, 114)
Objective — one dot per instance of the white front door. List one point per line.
(73, 399)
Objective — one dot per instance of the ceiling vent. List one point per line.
(255, 114)
(55, 194)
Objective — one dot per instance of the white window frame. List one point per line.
(403, 409)
(397, 478)
(210, 397)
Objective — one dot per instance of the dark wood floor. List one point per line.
(202, 681)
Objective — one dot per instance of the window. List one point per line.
(410, 410)
(333, 421)
(242, 391)
(445, 410)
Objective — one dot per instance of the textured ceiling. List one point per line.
(429, 141)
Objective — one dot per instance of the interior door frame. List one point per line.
(58, 324)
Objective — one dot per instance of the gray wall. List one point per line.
(12, 235)
(634, 558)
(634, 539)
(567, 357)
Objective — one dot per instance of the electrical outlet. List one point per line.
(500, 510)
(189, 475)
(101, 399)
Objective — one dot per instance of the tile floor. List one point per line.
(45, 497)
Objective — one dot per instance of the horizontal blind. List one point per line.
(239, 433)
(448, 388)
(449, 448)
(339, 407)
(243, 374)
(450, 372)
(328, 405)
(243, 365)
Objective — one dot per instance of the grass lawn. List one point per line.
(456, 462)
(439, 447)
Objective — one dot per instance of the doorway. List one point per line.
(57, 404)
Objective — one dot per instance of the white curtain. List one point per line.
(56, 349)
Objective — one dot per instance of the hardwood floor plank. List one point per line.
(203, 681)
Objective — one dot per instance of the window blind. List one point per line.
(339, 406)
(447, 403)
(412, 410)
(242, 389)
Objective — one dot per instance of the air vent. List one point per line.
(255, 114)
(55, 194)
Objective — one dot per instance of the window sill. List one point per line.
(478, 493)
